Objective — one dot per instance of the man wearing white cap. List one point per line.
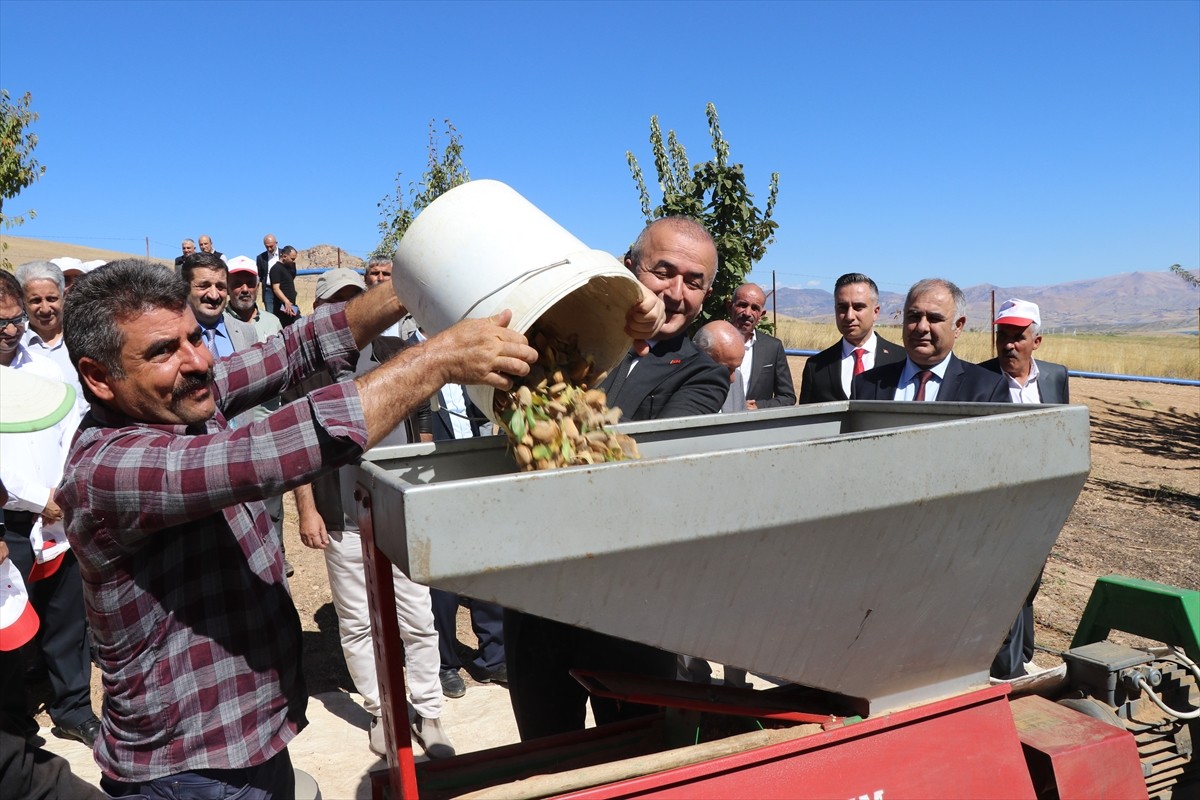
(325, 525)
(1018, 334)
(31, 465)
(243, 298)
(28, 403)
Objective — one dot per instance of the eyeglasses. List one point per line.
(14, 321)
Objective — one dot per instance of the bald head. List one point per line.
(723, 343)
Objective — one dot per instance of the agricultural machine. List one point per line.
(877, 605)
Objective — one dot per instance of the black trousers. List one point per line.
(1017, 649)
(546, 700)
(487, 620)
(36, 774)
(62, 636)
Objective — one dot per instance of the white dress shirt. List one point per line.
(747, 362)
(1029, 393)
(907, 388)
(848, 349)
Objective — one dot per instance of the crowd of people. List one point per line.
(149, 521)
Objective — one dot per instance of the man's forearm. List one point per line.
(372, 312)
(396, 389)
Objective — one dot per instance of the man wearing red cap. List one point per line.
(1018, 334)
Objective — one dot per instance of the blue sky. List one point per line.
(1014, 143)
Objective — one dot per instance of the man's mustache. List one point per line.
(192, 383)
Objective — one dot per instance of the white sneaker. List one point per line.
(376, 739)
(430, 735)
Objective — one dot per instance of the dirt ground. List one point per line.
(1138, 515)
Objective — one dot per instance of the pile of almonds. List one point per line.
(555, 417)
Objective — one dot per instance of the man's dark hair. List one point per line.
(287, 248)
(851, 278)
(202, 260)
(10, 288)
(116, 292)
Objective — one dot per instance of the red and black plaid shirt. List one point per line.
(197, 635)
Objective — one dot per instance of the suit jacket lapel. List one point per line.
(833, 374)
(952, 380)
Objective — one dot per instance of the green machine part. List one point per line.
(1143, 608)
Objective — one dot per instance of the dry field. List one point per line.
(1171, 355)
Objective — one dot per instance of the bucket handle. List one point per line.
(504, 286)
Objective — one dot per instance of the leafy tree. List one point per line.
(18, 167)
(715, 194)
(444, 171)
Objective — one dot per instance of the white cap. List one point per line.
(242, 264)
(1019, 312)
(30, 402)
(18, 621)
(66, 263)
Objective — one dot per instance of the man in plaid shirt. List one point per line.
(196, 633)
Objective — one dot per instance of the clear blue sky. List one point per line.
(1015, 143)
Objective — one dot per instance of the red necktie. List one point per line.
(923, 376)
(859, 367)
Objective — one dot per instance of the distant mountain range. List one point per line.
(1131, 301)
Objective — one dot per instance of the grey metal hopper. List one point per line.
(875, 549)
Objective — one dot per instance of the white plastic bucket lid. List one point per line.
(481, 248)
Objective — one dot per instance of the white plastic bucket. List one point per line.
(481, 248)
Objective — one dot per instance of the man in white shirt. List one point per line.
(828, 374)
(1018, 334)
(327, 524)
(764, 373)
(935, 313)
(31, 466)
(267, 259)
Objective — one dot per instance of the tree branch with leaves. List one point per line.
(715, 194)
(444, 171)
(18, 167)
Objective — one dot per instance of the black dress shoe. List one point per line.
(452, 683)
(85, 732)
(498, 675)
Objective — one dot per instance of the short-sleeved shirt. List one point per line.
(284, 277)
(196, 634)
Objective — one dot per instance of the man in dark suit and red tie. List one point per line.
(676, 259)
(827, 375)
(935, 312)
(765, 375)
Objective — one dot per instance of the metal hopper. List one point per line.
(874, 549)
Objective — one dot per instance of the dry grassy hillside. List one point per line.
(21, 249)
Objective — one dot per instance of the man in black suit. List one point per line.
(764, 373)
(267, 259)
(828, 374)
(188, 247)
(1018, 334)
(935, 312)
(674, 258)
(206, 246)
(456, 417)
